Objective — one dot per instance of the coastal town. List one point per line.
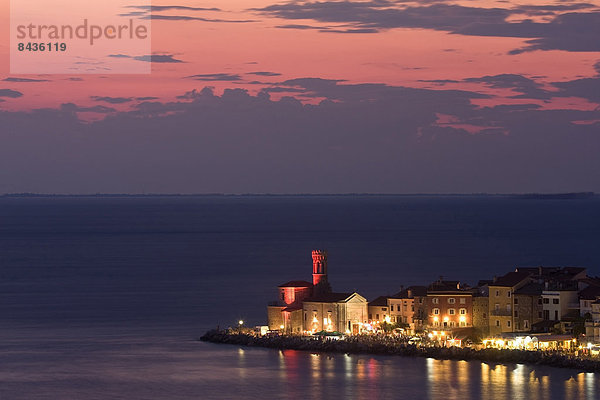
(528, 308)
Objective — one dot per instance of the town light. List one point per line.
(281, 326)
(446, 319)
(241, 322)
(435, 319)
(387, 319)
(462, 318)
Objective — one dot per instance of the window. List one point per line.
(554, 301)
(540, 301)
(516, 301)
(508, 308)
(508, 323)
(451, 300)
(463, 300)
(412, 308)
(497, 322)
(436, 311)
(377, 317)
(556, 315)
(384, 309)
(526, 324)
(371, 317)
(540, 314)
(420, 300)
(451, 311)
(435, 300)
(497, 307)
(282, 295)
(463, 311)
(508, 294)
(546, 300)
(497, 293)
(405, 319)
(516, 314)
(306, 316)
(484, 315)
(392, 307)
(451, 324)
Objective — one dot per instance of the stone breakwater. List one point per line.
(383, 346)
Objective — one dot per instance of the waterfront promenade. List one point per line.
(400, 346)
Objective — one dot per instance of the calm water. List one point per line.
(103, 298)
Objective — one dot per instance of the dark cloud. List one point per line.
(155, 58)
(158, 58)
(362, 138)
(264, 73)
(189, 18)
(146, 98)
(573, 31)
(112, 100)
(216, 77)
(173, 7)
(10, 93)
(73, 108)
(24, 80)
(528, 88)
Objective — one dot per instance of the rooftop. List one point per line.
(414, 291)
(296, 284)
(511, 279)
(380, 301)
(329, 297)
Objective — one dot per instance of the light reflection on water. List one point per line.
(100, 363)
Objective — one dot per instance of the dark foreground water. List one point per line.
(103, 298)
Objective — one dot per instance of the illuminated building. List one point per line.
(310, 307)
(501, 296)
(449, 306)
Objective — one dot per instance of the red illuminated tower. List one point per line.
(320, 283)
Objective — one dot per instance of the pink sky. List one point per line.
(399, 56)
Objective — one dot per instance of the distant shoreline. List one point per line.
(371, 346)
(526, 196)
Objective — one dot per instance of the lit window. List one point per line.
(451, 311)
(463, 311)
(436, 311)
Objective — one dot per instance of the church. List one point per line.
(303, 307)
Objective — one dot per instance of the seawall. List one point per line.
(381, 346)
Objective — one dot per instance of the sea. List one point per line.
(106, 297)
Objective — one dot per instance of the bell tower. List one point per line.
(320, 271)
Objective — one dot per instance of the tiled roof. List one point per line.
(446, 286)
(380, 301)
(590, 293)
(296, 284)
(511, 279)
(329, 297)
(415, 291)
(531, 289)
